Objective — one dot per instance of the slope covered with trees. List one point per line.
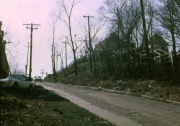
(140, 54)
(143, 41)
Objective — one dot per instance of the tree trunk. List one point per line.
(175, 62)
(146, 40)
(95, 68)
(75, 62)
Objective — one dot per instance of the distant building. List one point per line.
(113, 42)
(159, 47)
(158, 42)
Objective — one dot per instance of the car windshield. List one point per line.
(11, 76)
(19, 77)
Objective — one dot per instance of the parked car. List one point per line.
(17, 82)
(37, 78)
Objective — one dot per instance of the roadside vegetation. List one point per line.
(43, 108)
(164, 90)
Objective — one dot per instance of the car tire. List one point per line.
(15, 86)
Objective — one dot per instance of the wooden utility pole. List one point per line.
(42, 73)
(31, 36)
(90, 43)
(27, 60)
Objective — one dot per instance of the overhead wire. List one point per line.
(91, 10)
(20, 13)
(36, 10)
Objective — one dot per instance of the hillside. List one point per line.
(159, 90)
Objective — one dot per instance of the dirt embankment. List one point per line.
(159, 90)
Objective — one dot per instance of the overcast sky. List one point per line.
(15, 13)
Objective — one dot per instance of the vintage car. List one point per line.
(17, 82)
(37, 78)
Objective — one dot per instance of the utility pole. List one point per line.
(42, 72)
(31, 36)
(66, 51)
(27, 60)
(90, 43)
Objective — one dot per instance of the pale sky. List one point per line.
(15, 13)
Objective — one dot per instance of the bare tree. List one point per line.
(60, 54)
(168, 15)
(91, 31)
(15, 69)
(67, 8)
(54, 20)
(177, 4)
(124, 15)
(4, 66)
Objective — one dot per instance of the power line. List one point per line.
(31, 35)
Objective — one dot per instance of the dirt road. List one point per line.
(120, 109)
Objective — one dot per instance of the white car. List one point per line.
(37, 78)
(17, 82)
